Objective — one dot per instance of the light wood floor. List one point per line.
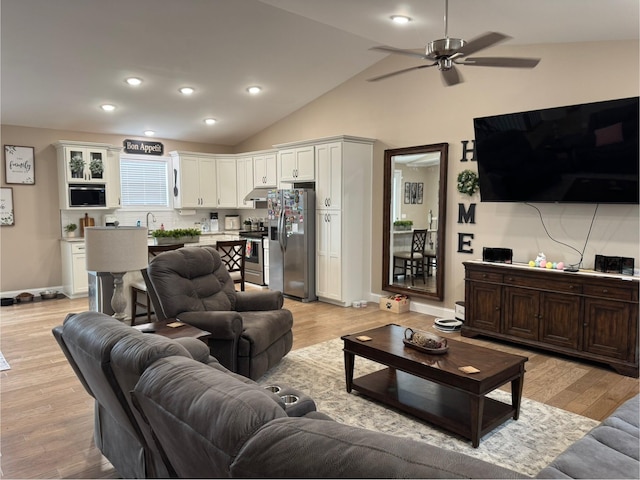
(46, 417)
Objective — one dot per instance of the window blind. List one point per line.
(144, 182)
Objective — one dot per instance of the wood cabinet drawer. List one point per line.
(543, 284)
(484, 276)
(618, 293)
(78, 248)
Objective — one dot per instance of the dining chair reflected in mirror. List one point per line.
(411, 263)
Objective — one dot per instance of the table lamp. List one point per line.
(116, 250)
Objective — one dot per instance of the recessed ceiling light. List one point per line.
(107, 107)
(400, 19)
(187, 90)
(133, 81)
(149, 133)
(210, 121)
(254, 90)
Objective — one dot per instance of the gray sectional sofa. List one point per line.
(187, 416)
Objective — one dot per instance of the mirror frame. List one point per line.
(443, 148)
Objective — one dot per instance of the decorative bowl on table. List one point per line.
(426, 342)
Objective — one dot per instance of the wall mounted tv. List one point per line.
(585, 153)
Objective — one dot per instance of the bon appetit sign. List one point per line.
(142, 147)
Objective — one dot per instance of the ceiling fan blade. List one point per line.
(451, 77)
(398, 72)
(400, 51)
(510, 62)
(481, 42)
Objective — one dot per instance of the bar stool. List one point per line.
(140, 288)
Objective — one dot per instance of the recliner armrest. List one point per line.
(257, 300)
(221, 325)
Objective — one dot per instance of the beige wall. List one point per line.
(416, 109)
(30, 250)
(411, 109)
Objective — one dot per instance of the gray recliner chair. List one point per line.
(88, 340)
(250, 331)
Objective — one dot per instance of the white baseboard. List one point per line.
(33, 291)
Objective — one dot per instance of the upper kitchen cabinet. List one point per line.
(84, 166)
(297, 164)
(265, 170)
(244, 181)
(113, 177)
(195, 180)
(84, 162)
(329, 176)
(226, 182)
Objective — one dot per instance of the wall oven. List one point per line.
(254, 259)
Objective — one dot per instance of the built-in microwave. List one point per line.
(83, 195)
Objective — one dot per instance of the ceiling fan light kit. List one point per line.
(446, 53)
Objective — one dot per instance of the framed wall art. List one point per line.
(6, 207)
(19, 164)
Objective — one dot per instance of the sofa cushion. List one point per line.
(309, 448)
(610, 450)
(205, 414)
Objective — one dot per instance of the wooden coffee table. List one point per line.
(184, 330)
(432, 387)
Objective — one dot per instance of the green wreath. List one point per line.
(468, 182)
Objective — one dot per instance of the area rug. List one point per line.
(4, 365)
(526, 445)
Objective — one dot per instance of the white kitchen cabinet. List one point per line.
(343, 219)
(245, 179)
(113, 177)
(329, 254)
(75, 278)
(84, 163)
(196, 183)
(297, 164)
(329, 176)
(226, 182)
(265, 170)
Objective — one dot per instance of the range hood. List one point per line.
(258, 194)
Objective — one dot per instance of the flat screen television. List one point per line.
(585, 153)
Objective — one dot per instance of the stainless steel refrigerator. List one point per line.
(292, 243)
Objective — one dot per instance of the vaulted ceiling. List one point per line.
(62, 59)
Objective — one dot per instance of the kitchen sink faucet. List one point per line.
(153, 219)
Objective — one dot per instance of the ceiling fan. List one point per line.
(446, 53)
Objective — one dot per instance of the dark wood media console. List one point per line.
(587, 315)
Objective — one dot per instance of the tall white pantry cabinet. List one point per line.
(343, 176)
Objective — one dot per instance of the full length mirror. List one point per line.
(415, 192)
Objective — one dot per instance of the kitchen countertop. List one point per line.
(206, 238)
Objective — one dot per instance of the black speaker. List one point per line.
(606, 264)
(497, 255)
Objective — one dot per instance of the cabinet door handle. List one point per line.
(484, 275)
(605, 290)
(497, 308)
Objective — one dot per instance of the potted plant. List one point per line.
(70, 229)
(178, 235)
(76, 164)
(402, 224)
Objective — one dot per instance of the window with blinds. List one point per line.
(144, 182)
